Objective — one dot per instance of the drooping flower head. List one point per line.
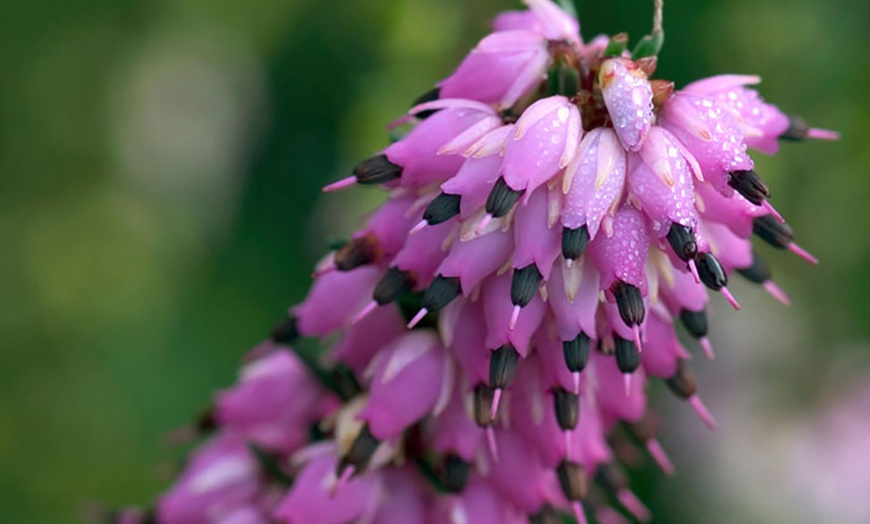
(553, 213)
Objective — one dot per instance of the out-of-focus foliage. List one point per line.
(160, 166)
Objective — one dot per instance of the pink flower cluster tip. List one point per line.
(553, 215)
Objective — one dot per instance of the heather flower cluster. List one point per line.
(553, 214)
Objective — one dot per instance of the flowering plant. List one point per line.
(552, 212)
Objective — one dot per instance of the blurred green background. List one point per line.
(160, 166)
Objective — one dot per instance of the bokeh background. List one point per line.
(160, 166)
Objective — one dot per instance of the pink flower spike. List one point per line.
(633, 504)
(708, 348)
(777, 293)
(702, 411)
(417, 318)
(804, 254)
(773, 212)
(730, 298)
(341, 184)
(579, 514)
(657, 452)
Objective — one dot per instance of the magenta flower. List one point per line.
(552, 213)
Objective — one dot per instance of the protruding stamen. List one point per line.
(629, 301)
(635, 331)
(286, 332)
(683, 242)
(442, 208)
(574, 242)
(695, 322)
(358, 252)
(693, 268)
(524, 285)
(799, 130)
(626, 382)
(572, 480)
(496, 401)
(579, 513)
(419, 226)
(366, 311)
(483, 397)
(503, 366)
(822, 134)
(490, 442)
(708, 347)
(777, 293)
(515, 316)
(456, 473)
(804, 254)
(750, 185)
(487, 218)
(575, 378)
(567, 407)
(341, 184)
(702, 412)
(360, 453)
(417, 318)
(711, 271)
(501, 199)
(576, 352)
(566, 436)
(627, 356)
(773, 212)
(657, 452)
(442, 291)
(730, 298)
(341, 480)
(391, 285)
(633, 504)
